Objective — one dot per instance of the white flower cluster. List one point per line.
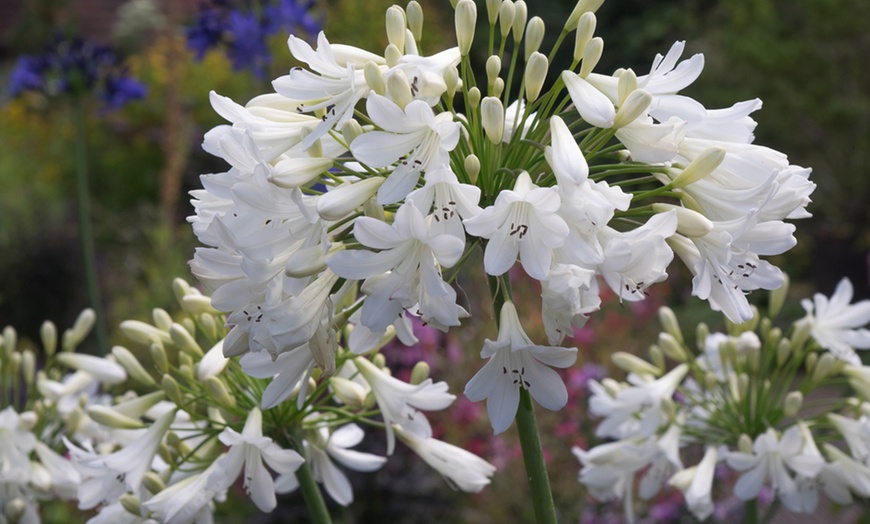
(364, 176)
(739, 401)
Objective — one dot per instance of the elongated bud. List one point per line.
(701, 333)
(170, 387)
(420, 372)
(699, 168)
(395, 20)
(158, 355)
(414, 13)
(744, 443)
(506, 17)
(534, 36)
(492, 117)
(742, 385)
(657, 356)
(521, 14)
(343, 200)
(351, 129)
(84, 323)
(132, 366)
(102, 369)
(591, 56)
(28, 366)
(452, 81)
(824, 367)
(690, 223)
(465, 19)
(182, 338)
(374, 78)
(793, 402)
(493, 68)
(474, 97)
(672, 347)
(180, 288)
(14, 510)
(472, 167)
(583, 7)
(669, 322)
(585, 32)
(162, 319)
(144, 333)
(153, 482)
(492, 7)
(348, 391)
(634, 364)
(536, 73)
(109, 417)
(626, 85)
(136, 407)
(392, 55)
(130, 502)
(48, 333)
(635, 105)
(497, 87)
(810, 362)
(777, 297)
(399, 88)
(218, 390)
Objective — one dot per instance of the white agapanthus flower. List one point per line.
(837, 325)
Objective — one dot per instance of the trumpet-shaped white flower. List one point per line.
(522, 222)
(189, 499)
(837, 325)
(16, 443)
(288, 370)
(461, 469)
(516, 362)
(250, 449)
(696, 484)
(448, 200)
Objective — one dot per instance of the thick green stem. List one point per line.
(751, 509)
(86, 235)
(317, 510)
(533, 458)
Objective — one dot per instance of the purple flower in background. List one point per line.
(76, 66)
(243, 30)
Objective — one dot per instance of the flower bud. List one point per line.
(84, 323)
(534, 36)
(824, 367)
(744, 443)
(777, 297)
(380, 361)
(374, 78)
(668, 320)
(130, 502)
(536, 73)
(472, 167)
(690, 223)
(348, 391)
(506, 17)
(180, 288)
(414, 13)
(132, 366)
(170, 387)
(591, 56)
(351, 129)
(110, 418)
(811, 361)
(465, 19)
(701, 333)
(793, 402)
(392, 54)
(452, 81)
(582, 7)
(492, 7)
(218, 390)
(634, 364)
(343, 200)
(419, 372)
(497, 87)
(48, 333)
(699, 168)
(585, 31)
(15, 510)
(672, 347)
(474, 97)
(158, 355)
(739, 385)
(802, 331)
(657, 356)
(28, 366)
(611, 386)
(136, 407)
(182, 338)
(492, 117)
(102, 369)
(626, 85)
(493, 68)
(399, 89)
(144, 333)
(395, 21)
(521, 14)
(783, 351)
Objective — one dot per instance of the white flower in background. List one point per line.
(696, 483)
(187, 499)
(250, 449)
(287, 371)
(16, 443)
(837, 325)
(516, 362)
(461, 469)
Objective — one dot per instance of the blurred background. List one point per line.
(806, 59)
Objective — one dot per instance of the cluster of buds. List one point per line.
(766, 401)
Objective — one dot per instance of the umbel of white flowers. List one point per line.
(366, 176)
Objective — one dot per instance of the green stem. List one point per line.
(533, 458)
(317, 510)
(86, 235)
(751, 509)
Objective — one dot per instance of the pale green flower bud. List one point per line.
(591, 56)
(452, 81)
(668, 320)
(415, 19)
(136, 407)
(585, 32)
(395, 20)
(162, 319)
(81, 327)
(626, 85)
(710, 380)
(170, 387)
(399, 89)
(824, 367)
(689, 223)
(493, 68)
(28, 366)
(611, 386)
(536, 73)
(802, 331)
(110, 418)
(219, 391)
(474, 97)
(701, 333)
(700, 167)
(351, 129)
(372, 209)
(497, 87)
(783, 351)
(492, 117)
(777, 297)
(492, 7)
(158, 355)
(634, 364)
(348, 392)
(420, 372)
(392, 54)
(180, 288)
(742, 385)
(506, 17)
(380, 361)
(811, 361)
(13, 363)
(48, 333)
(657, 356)
(534, 36)
(521, 14)
(181, 447)
(144, 333)
(793, 402)
(472, 167)
(582, 7)
(375, 80)
(15, 509)
(744, 443)
(182, 338)
(132, 366)
(343, 200)
(209, 325)
(130, 502)
(672, 347)
(465, 20)
(635, 105)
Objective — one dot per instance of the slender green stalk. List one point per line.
(86, 235)
(751, 508)
(533, 458)
(317, 510)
